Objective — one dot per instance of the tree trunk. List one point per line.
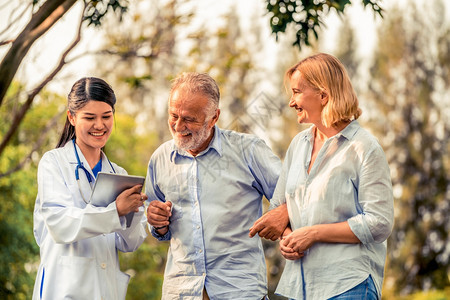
(47, 15)
(17, 119)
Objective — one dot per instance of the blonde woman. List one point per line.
(336, 184)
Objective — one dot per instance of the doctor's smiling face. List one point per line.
(93, 124)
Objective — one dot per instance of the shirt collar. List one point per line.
(216, 144)
(348, 132)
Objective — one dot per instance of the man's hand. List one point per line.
(158, 213)
(272, 224)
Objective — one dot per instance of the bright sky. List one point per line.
(42, 58)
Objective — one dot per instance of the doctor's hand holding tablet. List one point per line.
(124, 189)
(78, 224)
(130, 200)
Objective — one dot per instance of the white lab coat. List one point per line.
(78, 241)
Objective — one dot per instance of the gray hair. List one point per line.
(198, 82)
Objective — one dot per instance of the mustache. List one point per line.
(186, 131)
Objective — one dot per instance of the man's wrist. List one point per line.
(161, 227)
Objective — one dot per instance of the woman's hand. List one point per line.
(130, 200)
(301, 239)
(288, 252)
(294, 244)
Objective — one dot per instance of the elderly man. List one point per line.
(206, 185)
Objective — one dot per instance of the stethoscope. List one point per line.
(80, 166)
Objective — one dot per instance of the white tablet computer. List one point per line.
(109, 185)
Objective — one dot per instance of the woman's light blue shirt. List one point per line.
(349, 181)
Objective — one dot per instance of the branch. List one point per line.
(17, 18)
(81, 55)
(47, 15)
(26, 106)
(2, 43)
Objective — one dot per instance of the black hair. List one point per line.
(84, 90)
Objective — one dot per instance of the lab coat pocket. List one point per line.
(122, 284)
(76, 278)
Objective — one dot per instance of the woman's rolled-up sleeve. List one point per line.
(375, 221)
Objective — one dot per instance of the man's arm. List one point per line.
(158, 210)
(266, 167)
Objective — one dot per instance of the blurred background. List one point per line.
(398, 59)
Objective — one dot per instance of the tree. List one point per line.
(143, 55)
(40, 22)
(19, 252)
(307, 16)
(141, 58)
(346, 49)
(138, 60)
(228, 55)
(18, 191)
(411, 118)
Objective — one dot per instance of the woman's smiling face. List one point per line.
(305, 100)
(93, 124)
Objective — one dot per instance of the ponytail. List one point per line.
(67, 134)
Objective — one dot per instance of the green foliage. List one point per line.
(307, 16)
(226, 52)
(431, 295)
(139, 60)
(97, 9)
(407, 111)
(146, 266)
(18, 248)
(19, 252)
(347, 48)
(129, 149)
(137, 81)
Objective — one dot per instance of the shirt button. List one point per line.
(198, 226)
(200, 250)
(103, 265)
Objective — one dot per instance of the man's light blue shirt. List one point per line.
(216, 198)
(349, 181)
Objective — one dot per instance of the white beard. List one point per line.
(194, 141)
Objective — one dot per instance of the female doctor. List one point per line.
(78, 241)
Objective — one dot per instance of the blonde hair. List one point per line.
(327, 74)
